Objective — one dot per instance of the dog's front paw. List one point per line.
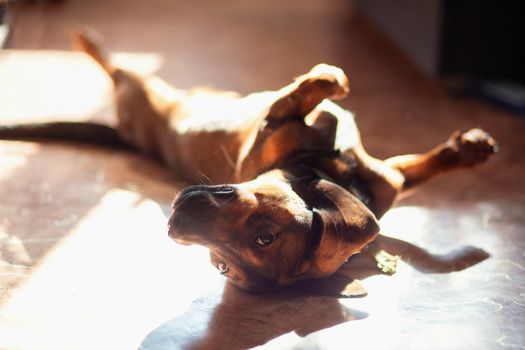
(470, 147)
(329, 78)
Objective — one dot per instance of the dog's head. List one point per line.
(273, 230)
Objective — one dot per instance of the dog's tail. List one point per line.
(84, 132)
(82, 42)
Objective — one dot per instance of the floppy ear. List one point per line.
(346, 226)
(300, 98)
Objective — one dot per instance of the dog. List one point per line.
(293, 193)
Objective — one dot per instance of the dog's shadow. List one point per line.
(234, 319)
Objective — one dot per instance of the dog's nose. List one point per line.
(220, 195)
(222, 191)
(211, 194)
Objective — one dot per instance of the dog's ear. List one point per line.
(300, 98)
(345, 226)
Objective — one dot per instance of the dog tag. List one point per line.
(386, 263)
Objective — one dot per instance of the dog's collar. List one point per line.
(317, 222)
(308, 176)
(316, 233)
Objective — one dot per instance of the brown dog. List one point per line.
(302, 195)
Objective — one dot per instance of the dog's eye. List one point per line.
(264, 239)
(222, 267)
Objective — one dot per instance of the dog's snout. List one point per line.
(195, 209)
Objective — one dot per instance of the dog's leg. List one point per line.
(386, 179)
(82, 43)
(142, 105)
(462, 149)
(383, 181)
(300, 98)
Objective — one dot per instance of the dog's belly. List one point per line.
(205, 139)
(207, 132)
(208, 111)
(201, 134)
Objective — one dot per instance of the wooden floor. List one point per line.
(85, 260)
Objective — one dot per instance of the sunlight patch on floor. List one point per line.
(116, 276)
(405, 222)
(14, 157)
(65, 85)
